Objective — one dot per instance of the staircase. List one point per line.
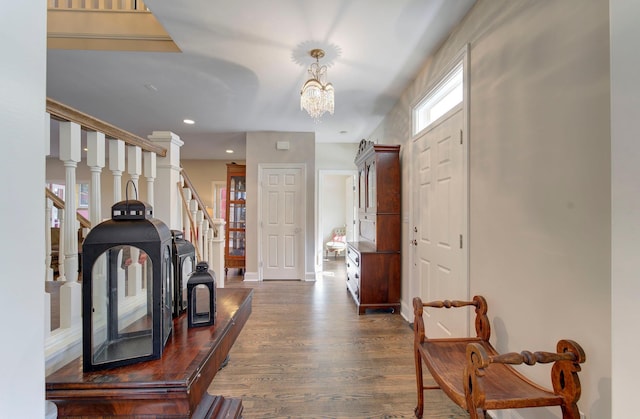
(120, 153)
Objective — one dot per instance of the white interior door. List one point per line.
(282, 223)
(440, 211)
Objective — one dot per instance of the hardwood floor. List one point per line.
(305, 353)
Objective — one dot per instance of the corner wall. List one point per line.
(22, 120)
(540, 176)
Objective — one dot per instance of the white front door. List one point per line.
(282, 222)
(440, 211)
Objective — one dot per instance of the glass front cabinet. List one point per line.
(236, 213)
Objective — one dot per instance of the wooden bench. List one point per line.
(472, 373)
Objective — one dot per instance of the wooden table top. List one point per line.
(184, 354)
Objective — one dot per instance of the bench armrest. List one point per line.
(564, 373)
(483, 329)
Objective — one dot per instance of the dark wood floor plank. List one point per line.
(305, 353)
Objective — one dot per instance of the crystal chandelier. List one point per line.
(316, 96)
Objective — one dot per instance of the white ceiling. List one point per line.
(242, 65)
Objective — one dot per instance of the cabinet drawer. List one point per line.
(353, 257)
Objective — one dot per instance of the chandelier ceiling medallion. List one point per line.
(316, 96)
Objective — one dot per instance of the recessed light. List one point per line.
(229, 151)
(189, 121)
(343, 132)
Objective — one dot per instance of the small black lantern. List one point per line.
(183, 257)
(126, 283)
(201, 290)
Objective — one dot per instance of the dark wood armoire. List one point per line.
(373, 262)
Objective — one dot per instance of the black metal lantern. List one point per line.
(183, 258)
(126, 284)
(201, 291)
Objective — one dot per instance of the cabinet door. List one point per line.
(371, 187)
(362, 189)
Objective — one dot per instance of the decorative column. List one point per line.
(168, 206)
(95, 161)
(150, 174)
(134, 269)
(116, 165)
(71, 291)
(217, 251)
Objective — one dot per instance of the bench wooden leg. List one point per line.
(570, 411)
(419, 410)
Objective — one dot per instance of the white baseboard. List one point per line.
(251, 276)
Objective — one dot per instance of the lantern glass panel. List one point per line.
(200, 298)
(187, 268)
(167, 296)
(121, 326)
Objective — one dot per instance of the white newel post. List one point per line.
(71, 291)
(134, 270)
(217, 251)
(150, 174)
(186, 193)
(168, 205)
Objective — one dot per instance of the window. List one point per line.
(442, 98)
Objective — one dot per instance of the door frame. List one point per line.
(303, 233)
(414, 282)
(319, 244)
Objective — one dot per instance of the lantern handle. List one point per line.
(126, 190)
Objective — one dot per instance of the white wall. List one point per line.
(539, 177)
(261, 148)
(625, 198)
(22, 110)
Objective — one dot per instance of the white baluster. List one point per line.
(95, 161)
(116, 165)
(96, 154)
(47, 239)
(186, 192)
(61, 240)
(193, 209)
(217, 251)
(150, 174)
(199, 223)
(209, 244)
(134, 270)
(205, 239)
(70, 292)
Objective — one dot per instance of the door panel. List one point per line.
(440, 209)
(283, 222)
